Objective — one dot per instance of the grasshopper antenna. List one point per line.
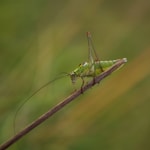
(63, 74)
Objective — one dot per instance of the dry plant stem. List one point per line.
(59, 106)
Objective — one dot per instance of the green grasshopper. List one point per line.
(92, 68)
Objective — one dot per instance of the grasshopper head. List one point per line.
(73, 77)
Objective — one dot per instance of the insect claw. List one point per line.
(81, 90)
(94, 80)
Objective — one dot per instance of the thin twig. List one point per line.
(60, 105)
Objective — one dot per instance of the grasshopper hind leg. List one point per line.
(101, 69)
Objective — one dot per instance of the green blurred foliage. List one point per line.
(40, 39)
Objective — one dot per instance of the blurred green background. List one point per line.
(40, 39)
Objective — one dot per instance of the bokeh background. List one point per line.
(40, 39)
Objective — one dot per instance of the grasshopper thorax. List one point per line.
(81, 71)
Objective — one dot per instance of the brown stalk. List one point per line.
(60, 105)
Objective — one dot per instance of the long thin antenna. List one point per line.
(34, 93)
